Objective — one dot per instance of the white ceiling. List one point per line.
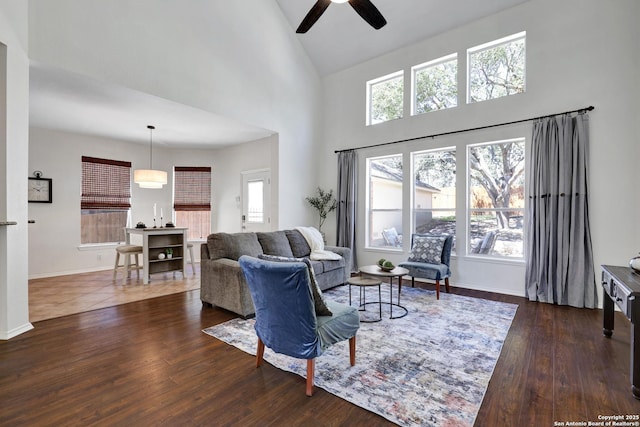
(339, 39)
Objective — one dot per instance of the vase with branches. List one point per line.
(324, 202)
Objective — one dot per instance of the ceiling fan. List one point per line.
(365, 9)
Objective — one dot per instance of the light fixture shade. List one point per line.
(149, 178)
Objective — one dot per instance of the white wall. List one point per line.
(54, 238)
(239, 59)
(14, 134)
(579, 53)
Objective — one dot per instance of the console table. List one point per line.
(156, 241)
(622, 287)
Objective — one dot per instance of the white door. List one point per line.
(256, 200)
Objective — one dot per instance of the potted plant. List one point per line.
(169, 252)
(324, 203)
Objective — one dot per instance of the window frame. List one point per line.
(490, 45)
(201, 205)
(414, 210)
(424, 66)
(104, 199)
(369, 98)
(469, 210)
(369, 211)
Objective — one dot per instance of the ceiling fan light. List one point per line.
(339, 1)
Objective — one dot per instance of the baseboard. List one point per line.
(472, 287)
(16, 331)
(67, 273)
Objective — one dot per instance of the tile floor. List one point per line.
(63, 295)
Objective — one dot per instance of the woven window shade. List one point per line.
(106, 184)
(192, 188)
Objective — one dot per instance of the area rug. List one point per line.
(429, 368)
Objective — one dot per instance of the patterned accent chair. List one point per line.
(430, 258)
(286, 319)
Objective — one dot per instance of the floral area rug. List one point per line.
(429, 368)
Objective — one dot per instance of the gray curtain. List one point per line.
(559, 253)
(347, 202)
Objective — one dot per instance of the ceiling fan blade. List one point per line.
(369, 13)
(314, 14)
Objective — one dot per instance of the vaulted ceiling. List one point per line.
(338, 40)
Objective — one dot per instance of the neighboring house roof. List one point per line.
(382, 171)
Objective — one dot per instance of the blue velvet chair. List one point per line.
(286, 320)
(423, 266)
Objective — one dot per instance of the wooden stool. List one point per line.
(127, 251)
(190, 248)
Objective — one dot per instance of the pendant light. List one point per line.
(150, 178)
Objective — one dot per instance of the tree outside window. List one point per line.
(497, 69)
(496, 198)
(434, 192)
(385, 98)
(435, 85)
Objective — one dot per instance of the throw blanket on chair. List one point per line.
(316, 243)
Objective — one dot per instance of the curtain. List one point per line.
(347, 202)
(106, 184)
(559, 254)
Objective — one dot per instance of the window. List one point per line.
(497, 69)
(496, 198)
(385, 98)
(255, 201)
(435, 85)
(434, 192)
(192, 200)
(384, 202)
(105, 200)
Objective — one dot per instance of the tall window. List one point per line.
(434, 192)
(496, 198)
(384, 202)
(192, 200)
(385, 98)
(435, 85)
(497, 69)
(105, 200)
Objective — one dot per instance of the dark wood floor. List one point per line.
(147, 363)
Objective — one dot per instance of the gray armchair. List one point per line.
(430, 259)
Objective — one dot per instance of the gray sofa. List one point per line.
(222, 283)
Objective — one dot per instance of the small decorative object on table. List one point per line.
(635, 264)
(161, 255)
(385, 265)
(169, 225)
(141, 224)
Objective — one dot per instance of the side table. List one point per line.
(398, 272)
(362, 283)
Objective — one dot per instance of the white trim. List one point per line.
(16, 331)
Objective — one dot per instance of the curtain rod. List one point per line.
(589, 108)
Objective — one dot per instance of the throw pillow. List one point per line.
(275, 243)
(318, 299)
(427, 249)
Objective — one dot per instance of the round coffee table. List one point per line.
(376, 271)
(362, 283)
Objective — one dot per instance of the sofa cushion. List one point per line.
(233, 246)
(299, 246)
(328, 265)
(318, 298)
(275, 243)
(427, 249)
